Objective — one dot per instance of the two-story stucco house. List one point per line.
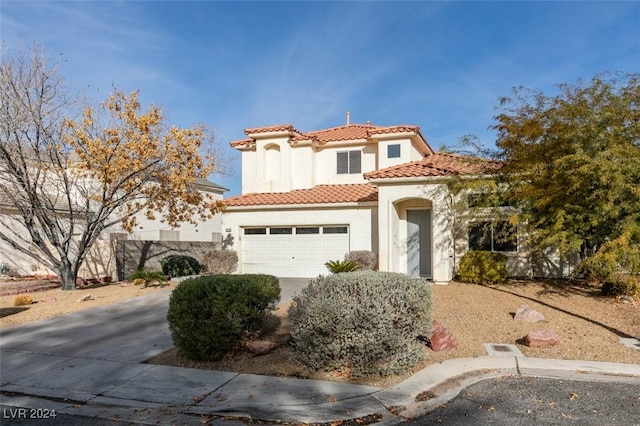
(310, 197)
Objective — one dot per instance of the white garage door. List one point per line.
(292, 251)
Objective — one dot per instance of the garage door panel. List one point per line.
(292, 255)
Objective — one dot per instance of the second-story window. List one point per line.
(393, 151)
(349, 162)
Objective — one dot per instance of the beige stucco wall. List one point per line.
(407, 152)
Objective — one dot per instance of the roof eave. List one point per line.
(339, 143)
(302, 206)
(430, 179)
(416, 138)
(408, 179)
(272, 134)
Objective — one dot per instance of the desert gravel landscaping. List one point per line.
(589, 326)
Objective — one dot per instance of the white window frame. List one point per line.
(347, 164)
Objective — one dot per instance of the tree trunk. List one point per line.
(68, 277)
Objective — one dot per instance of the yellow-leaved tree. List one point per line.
(67, 173)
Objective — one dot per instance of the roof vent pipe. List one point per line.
(348, 118)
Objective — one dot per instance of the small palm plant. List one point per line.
(147, 277)
(337, 266)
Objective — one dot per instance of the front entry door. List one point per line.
(419, 243)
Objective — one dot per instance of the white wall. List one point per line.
(326, 160)
(303, 168)
(302, 165)
(250, 172)
(406, 152)
(150, 229)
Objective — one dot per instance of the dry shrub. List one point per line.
(221, 262)
(367, 259)
(23, 300)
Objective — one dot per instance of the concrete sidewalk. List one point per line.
(90, 363)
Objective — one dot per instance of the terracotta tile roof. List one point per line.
(243, 143)
(320, 194)
(334, 134)
(251, 143)
(342, 133)
(437, 164)
(267, 129)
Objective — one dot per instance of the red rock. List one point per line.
(261, 347)
(441, 338)
(526, 314)
(543, 338)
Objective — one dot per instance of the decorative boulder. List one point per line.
(543, 338)
(441, 338)
(261, 347)
(526, 314)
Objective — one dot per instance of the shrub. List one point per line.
(23, 300)
(337, 266)
(178, 265)
(621, 286)
(367, 259)
(483, 267)
(146, 277)
(363, 321)
(208, 315)
(611, 262)
(221, 262)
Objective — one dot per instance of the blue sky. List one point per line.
(233, 65)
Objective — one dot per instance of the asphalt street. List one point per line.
(538, 401)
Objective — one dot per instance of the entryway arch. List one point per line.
(413, 229)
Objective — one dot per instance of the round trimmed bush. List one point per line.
(365, 321)
(178, 265)
(208, 315)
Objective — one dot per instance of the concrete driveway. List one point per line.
(290, 287)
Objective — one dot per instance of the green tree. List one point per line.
(68, 173)
(571, 163)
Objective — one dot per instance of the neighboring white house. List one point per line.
(155, 230)
(100, 260)
(310, 197)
